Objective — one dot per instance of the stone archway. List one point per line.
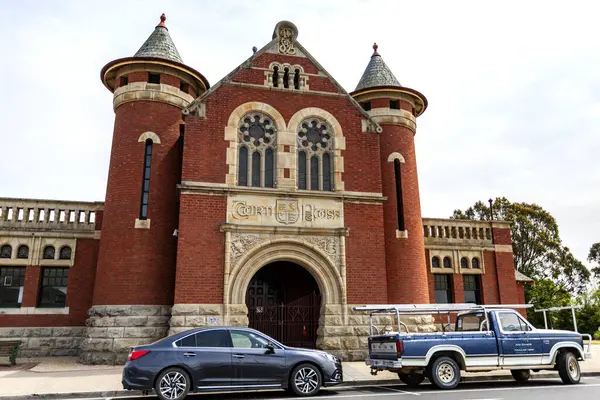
(284, 302)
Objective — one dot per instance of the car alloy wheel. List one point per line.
(306, 380)
(172, 384)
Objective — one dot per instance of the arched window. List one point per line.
(286, 77)
(65, 253)
(315, 144)
(399, 198)
(23, 251)
(256, 151)
(275, 76)
(297, 79)
(464, 262)
(48, 253)
(447, 262)
(475, 262)
(435, 262)
(6, 251)
(146, 180)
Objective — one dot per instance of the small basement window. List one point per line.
(395, 104)
(366, 105)
(153, 78)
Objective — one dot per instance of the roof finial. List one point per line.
(163, 18)
(375, 47)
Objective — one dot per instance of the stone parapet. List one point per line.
(113, 330)
(190, 316)
(46, 341)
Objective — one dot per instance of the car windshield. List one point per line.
(471, 322)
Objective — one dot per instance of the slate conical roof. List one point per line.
(377, 73)
(159, 44)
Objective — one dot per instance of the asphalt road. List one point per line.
(551, 389)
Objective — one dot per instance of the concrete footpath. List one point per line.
(63, 377)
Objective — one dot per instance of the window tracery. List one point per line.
(256, 149)
(315, 145)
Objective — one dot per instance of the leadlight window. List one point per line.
(54, 287)
(146, 180)
(12, 281)
(6, 251)
(447, 262)
(23, 251)
(48, 253)
(315, 147)
(256, 151)
(475, 263)
(464, 262)
(472, 286)
(435, 262)
(399, 198)
(443, 288)
(65, 253)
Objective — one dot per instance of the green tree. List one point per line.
(588, 317)
(537, 248)
(545, 294)
(594, 257)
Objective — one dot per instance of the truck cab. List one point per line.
(483, 338)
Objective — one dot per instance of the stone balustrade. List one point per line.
(455, 231)
(36, 215)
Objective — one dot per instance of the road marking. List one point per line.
(514, 388)
(396, 390)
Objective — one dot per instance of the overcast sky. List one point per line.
(513, 89)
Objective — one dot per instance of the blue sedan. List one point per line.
(227, 359)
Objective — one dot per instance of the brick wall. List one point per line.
(200, 250)
(205, 146)
(365, 254)
(405, 257)
(136, 266)
(79, 291)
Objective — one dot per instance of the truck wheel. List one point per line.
(411, 380)
(444, 373)
(568, 368)
(521, 375)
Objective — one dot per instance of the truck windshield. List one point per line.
(474, 322)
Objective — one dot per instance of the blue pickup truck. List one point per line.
(484, 338)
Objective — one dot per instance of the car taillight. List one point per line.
(135, 354)
(399, 347)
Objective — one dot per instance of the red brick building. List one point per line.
(273, 198)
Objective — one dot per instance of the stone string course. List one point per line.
(46, 341)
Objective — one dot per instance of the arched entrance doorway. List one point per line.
(284, 302)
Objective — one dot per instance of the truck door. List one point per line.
(520, 344)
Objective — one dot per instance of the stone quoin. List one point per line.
(273, 199)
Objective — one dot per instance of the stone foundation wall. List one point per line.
(46, 341)
(344, 332)
(113, 330)
(189, 316)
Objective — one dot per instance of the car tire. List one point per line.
(568, 368)
(305, 380)
(412, 380)
(444, 373)
(521, 375)
(172, 384)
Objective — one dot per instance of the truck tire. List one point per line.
(521, 375)
(444, 373)
(568, 368)
(412, 380)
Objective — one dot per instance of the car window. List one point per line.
(212, 338)
(188, 341)
(471, 323)
(512, 323)
(247, 340)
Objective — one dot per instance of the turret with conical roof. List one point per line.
(137, 255)
(395, 108)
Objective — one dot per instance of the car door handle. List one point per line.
(238, 355)
(189, 354)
